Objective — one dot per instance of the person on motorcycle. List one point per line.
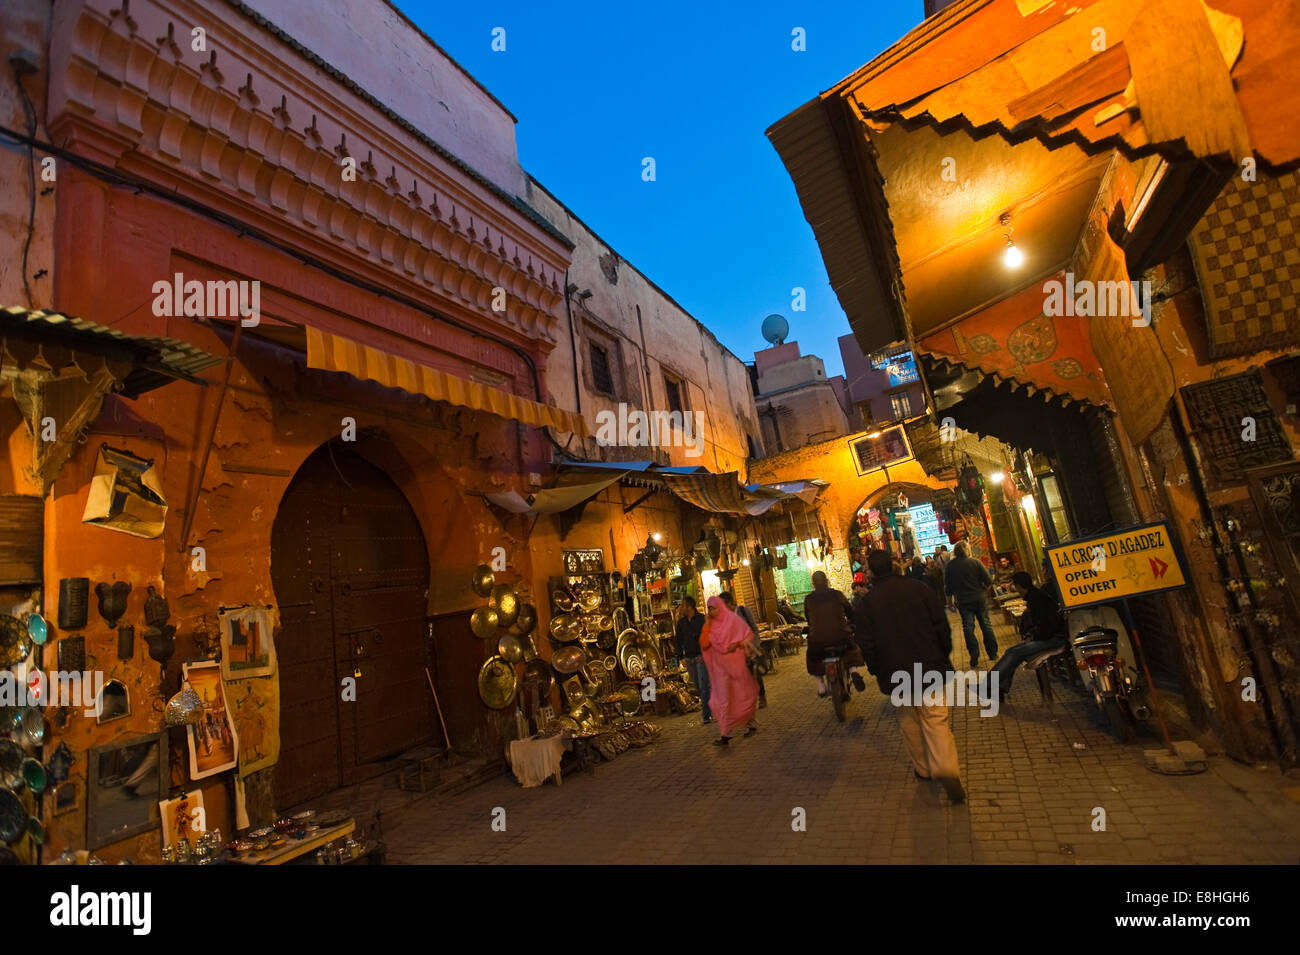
(1042, 628)
(829, 616)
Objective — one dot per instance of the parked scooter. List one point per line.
(1102, 650)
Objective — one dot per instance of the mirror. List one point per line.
(125, 781)
(65, 798)
(113, 703)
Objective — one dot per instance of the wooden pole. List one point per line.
(441, 721)
(193, 502)
(1151, 684)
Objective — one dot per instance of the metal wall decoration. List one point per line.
(1223, 412)
(125, 641)
(583, 562)
(112, 601)
(74, 602)
(72, 654)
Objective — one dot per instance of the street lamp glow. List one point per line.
(996, 477)
(657, 537)
(745, 562)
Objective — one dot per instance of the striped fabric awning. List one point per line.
(721, 493)
(328, 352)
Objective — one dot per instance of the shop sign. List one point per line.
(886, 448)
(902, 371)
(584, 562)
(1127, 563)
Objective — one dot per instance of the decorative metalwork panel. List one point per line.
(1235, 424)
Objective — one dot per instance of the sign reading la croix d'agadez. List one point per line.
(1136, 560)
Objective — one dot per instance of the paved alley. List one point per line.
(1035, 777)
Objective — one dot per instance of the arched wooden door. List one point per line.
(351, 575)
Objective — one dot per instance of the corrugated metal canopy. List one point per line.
(154, 361)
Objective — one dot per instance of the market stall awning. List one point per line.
(56, 344)
(1015, 107)
(553, 500)
(62, 367)
(329, 352)
(1014, 341)
(700, 487)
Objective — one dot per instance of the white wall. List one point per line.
(718, 384)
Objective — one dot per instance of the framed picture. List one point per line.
(183, 818)
(246, 645)
(125, 780)
(213, 742)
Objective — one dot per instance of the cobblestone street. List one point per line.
(1031, 796)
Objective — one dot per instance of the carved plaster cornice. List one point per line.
(242, 122)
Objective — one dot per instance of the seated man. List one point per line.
(829, 614)
(1042, 627)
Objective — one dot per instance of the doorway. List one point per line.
(351, 575)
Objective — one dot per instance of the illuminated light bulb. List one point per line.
(996, 477)
(1012, 257)
(657, 536)
(745, 562)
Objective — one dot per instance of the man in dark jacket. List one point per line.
(1042, 627)
(906, 631)
(830, 616)
(690, 623)
(967, 582)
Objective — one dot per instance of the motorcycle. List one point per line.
(837, 679)
(1113, 679)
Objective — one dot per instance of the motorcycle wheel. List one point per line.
(838, 694)
(1120, 723)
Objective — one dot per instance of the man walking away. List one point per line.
(687, 638)
(829, 614)
(904, 625)
(1042, 626)
(968, 582)
(743, 613)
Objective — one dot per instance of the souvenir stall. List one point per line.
(600, 656)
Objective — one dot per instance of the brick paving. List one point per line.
(1031, 796)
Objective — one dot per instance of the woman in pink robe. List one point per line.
(733, 694)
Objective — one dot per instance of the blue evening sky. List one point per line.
(597, 87)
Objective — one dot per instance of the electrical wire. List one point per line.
(29, 112)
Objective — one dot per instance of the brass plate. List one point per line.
(566, 628)
(497, 683)
(483, 580)
(485, 623)
(510, 648)
(506, 604)
(569, 659)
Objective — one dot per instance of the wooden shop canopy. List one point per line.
(1024, 107)
(60, 369)
(329, 352)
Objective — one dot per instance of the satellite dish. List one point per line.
(775, 328)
